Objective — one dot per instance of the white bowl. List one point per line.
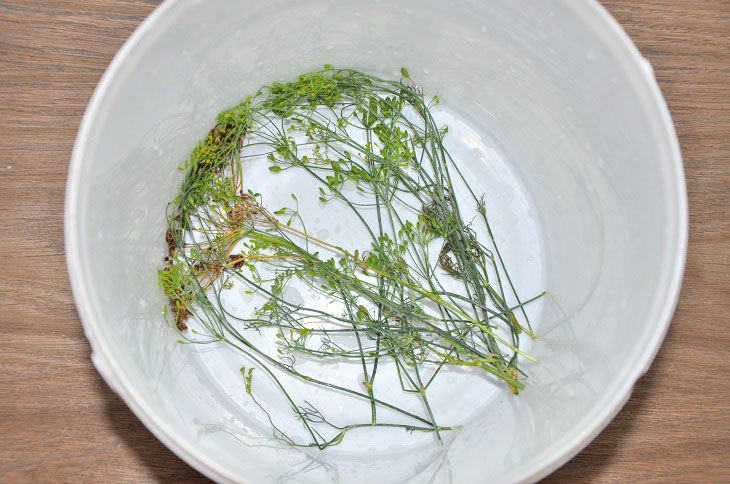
(555, 111)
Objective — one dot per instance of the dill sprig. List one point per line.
(366, 135)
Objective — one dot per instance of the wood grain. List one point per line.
(60, 422)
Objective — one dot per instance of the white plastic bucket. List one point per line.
(554, 94)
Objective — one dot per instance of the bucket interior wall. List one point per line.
(559, 99)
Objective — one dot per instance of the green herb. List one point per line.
(396, 306)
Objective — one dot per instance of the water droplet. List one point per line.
(293, 296)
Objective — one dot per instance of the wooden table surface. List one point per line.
(60, 422)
